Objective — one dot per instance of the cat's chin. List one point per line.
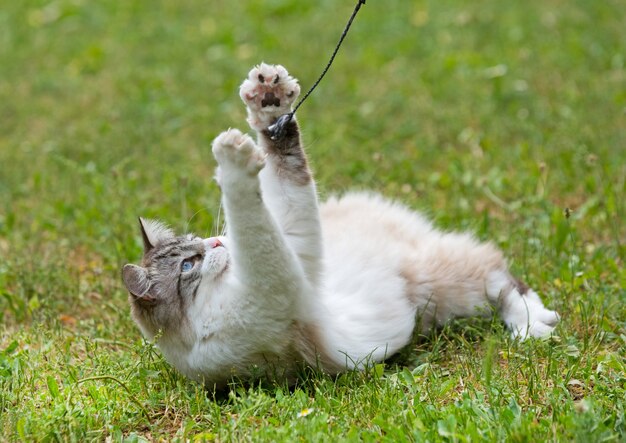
(216, 263)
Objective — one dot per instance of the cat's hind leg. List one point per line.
(520, 307)
(453, 275)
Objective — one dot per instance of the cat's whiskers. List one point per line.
(192, 217)
(219, 228)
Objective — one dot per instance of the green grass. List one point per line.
(490, 116)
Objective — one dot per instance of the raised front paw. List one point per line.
(268, 92)
(235, 152)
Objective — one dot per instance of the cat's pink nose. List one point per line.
(213, 242)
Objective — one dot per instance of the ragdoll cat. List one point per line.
(336, 286)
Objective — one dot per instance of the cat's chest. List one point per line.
(211, 328)
(214, 320)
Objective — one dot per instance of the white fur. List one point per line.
(359, 271)
(155, 230)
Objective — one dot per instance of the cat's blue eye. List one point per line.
(187, 265)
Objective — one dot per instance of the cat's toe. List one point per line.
(233, 149)
(551, 318)
(230, 139)
(527, 317)
(540, 330)
(535, 330)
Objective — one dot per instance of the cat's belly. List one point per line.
(367, 241)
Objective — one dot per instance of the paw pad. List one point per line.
(268, 92)
(270, 100)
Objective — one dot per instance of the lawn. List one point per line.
(504, 118)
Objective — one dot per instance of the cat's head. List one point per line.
(174, 270)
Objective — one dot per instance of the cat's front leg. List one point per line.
(287, 183)
(261, 259)
(269, 92)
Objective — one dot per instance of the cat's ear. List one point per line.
(153, 232)
(136, 280)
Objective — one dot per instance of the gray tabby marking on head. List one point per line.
(160, 292)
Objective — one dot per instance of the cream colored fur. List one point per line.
(337, 286)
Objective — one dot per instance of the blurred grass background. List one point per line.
(505, 118)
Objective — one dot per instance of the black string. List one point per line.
(278, 128)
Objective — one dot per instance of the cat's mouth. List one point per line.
(217, 257)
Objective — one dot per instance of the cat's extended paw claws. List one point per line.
(268, 92)
(233, 149)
